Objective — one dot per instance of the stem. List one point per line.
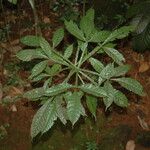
(91, 54)
(67, 61)
(69, 75)
(82, 56)
(91, 72)
(88, 78)
(76, 82)
(77, 55)
(62, 70)
(81, 79)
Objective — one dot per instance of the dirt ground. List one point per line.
(19, 114)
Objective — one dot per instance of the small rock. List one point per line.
(13, 108)
(130, 145)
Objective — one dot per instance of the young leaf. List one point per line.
(35, 93)
(99, 36)
(38, 68)
(30, 40)
(93, 90)
(58, 37)
(44, 118)
(68, 51)
(57, 89)
(96, 64)
(121, 70)
(74, 106)
(74, 30)
(115, 55)
(131, 85)
(120, 99)
(87, 22)
(91, 102)
(53, 70)
(45, 47)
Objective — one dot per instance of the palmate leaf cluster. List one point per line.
(81, 85)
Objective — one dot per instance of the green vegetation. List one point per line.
(83, 79)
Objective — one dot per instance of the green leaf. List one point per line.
(91, 102)
(35, 93)
(57, 89)
(93, 90)
(115, 96)
(74, 30)
(131, 85)
(44, 118)
(29, 54)
(120, 33)
(98, 37)
(53, 70)
(87, 22)
(45, 47)
(56, 58)
(82, 45)
(38, 68)
(30, 40)
(96, 64)
(115, 55)
(107, 102)
(121, 70)
(58, 37)
(74, 106)
(61, 111)
(120, 99)
(68, 51)
(110, 94)
(108, 71)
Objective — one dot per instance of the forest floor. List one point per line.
(16, 115)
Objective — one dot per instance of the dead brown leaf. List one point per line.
(143, 123)
(144, 66)
(14, 42)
